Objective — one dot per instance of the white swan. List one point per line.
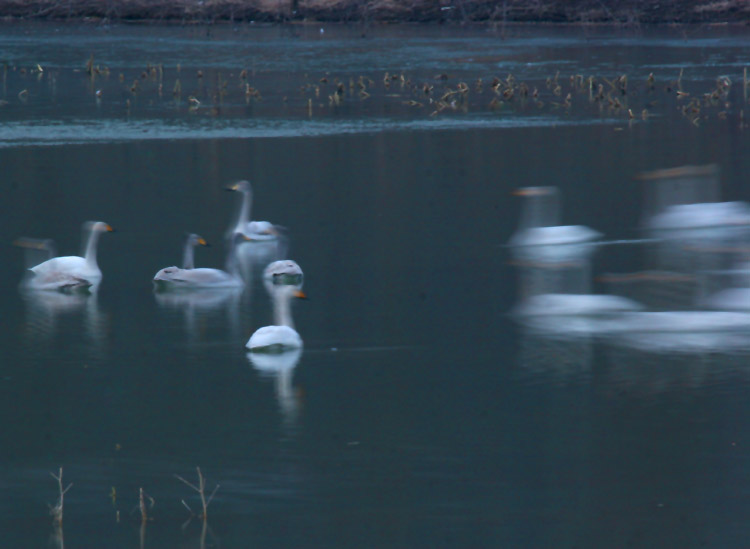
(282, 336)
(539, 220)
(255, 230)
(284, 271)
(175, 278)
(70, 272)
(687, 198)
(188, 255)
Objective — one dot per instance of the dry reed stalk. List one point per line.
(57, 510)
(201, 489)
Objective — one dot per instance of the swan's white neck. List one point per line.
(91, 245)
(282, 307)
(541, 210)
(188, 261)
(232, 265)
(247, 202)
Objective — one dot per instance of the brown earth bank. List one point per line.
(625, 12)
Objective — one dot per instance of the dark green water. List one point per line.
(420, 413)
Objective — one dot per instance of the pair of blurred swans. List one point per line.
(68, 273)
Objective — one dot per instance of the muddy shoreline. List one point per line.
(620, 12)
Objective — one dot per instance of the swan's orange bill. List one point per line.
(529, 191)
(202, 242)
(109, 228)
(300, 294)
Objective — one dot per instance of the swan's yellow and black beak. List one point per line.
(299, 294)
(531, 191)
(234, 187)
(202, 242)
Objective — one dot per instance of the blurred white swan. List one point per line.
(702, 216)
(70, 272)
(281, 336)
(254, 230)
(687, 198)
(188, 258)
(203, 277)
(539, 221)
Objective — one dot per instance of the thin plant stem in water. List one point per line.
(143, 508)
(57, 510)
(201, 489)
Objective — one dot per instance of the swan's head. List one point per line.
(283, 272)
(240, 186)
(98, 226)
(197, 240)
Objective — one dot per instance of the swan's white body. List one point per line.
(538, 225)
(281, 336)
(702, 216)
(254, 230)
(576, 305)
(70, 272)
(203, 277)
(271, 338)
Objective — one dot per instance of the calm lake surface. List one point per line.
(421, 412)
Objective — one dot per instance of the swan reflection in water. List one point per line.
(280, 367)
(200, 306)
(50, 314)
(555, 299)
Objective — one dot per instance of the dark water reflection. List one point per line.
(420, 412)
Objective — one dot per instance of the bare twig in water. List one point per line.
(201, 489)
(57, 510)
(142, 497)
